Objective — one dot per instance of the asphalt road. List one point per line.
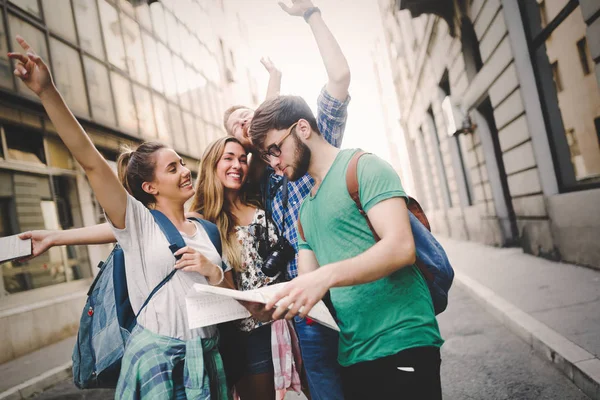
(481, 359)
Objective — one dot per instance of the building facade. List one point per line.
(130, 72)
(500, 104)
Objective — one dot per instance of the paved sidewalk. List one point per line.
(554, 307)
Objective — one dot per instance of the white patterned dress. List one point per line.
(251, 276)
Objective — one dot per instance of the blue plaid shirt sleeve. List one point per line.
(331, 119)
(332, 115)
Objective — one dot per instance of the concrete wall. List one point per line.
(510, 172)
(31, 320)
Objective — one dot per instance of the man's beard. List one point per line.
(302, 152)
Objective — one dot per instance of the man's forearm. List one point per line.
(97, 234)
(336, 65)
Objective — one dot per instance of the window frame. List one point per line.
(536, 36)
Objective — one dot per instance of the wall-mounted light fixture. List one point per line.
(453, 114)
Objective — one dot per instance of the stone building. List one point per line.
(130, 72)
(500, 105)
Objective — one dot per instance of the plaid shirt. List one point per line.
(149, 359)
(331, 119)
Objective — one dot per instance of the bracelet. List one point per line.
(222, 277)
(310, 12)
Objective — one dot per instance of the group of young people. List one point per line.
(277, 164)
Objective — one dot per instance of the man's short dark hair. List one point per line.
(279, 113)
(228, 113)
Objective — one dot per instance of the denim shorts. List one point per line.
(259, 358)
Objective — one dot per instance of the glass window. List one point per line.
(177, 126)
(161, 113)
(198, 82)
(126, 114)
(59, 18)
(24, 145)
(35, 38)
(6, 71)
(143, 105)
(183, 85)
(41, 208)
(58, 154)
(68, 76)
(135, 51)
(31, 6)
(173, 32)
(201, 135)
(99, 89)
(570, 95)
(212, 69)
(113, 37)
(184, 10)
(88, 27)
(151, 53)
(143, 16)
(191, 134)
(166, 64)
(205, 102)
(158, 20)
(195, 57)
(584, 56)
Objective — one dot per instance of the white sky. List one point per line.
(288, 41)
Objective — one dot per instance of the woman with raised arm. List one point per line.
(155, 177)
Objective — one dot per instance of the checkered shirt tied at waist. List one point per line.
(331, 119)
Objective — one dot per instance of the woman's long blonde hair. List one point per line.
(209, 200)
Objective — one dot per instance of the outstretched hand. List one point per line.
(298, 7)
(269, 66)
(31, 69)
(41, 241)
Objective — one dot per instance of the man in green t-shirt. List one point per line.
(389, 340)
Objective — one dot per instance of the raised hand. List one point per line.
(31, 69)
(193, 260)
(298, 7)
(269, 66)
(41, 241)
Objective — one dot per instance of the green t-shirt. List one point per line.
(379, 318)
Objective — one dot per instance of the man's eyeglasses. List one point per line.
(274, 150)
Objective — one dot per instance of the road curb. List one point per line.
(38, 384)
(580, 366)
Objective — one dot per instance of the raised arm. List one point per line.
(111, 194)
(338, 71)
(42, 240)
(274, 86)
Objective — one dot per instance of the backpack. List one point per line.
(432, 260)
(108, 319)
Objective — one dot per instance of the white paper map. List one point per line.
(12, 247)
(210, 305)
